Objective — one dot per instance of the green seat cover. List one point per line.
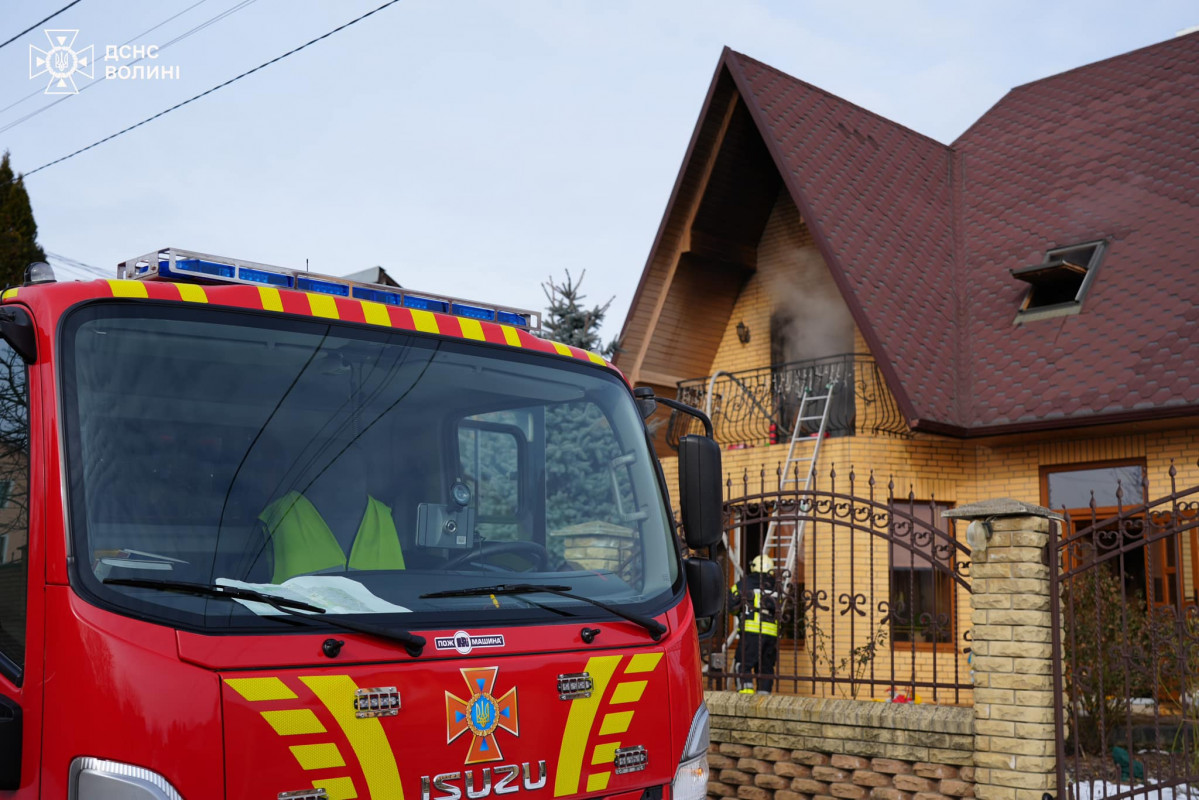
(303, 543)
(377, 545)
(301, 540)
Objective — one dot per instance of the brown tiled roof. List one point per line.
(1107, 151)
(921, 238)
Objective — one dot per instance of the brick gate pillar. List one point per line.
(1014, 731)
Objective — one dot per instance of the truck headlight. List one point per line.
(691, 779)
(97, 779)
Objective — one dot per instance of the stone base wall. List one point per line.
(778, 747)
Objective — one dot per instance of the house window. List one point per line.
(1092, 494)
(1057, 286)
(922, 566)
(1110, 484)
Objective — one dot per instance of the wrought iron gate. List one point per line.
(1125, 609)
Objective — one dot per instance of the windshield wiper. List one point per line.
(656, 629)
(412, 642)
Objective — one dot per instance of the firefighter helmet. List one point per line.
(762, 564)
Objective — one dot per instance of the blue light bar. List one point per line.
(193, 266)
(378, 296)
(508, 318)
(322, 287)
(189, 266)
(425, 304)
(473, 312)
(264, 277)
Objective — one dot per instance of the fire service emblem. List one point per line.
(482, 714)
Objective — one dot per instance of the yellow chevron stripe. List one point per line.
(317, 756)
(471, 329)
(322, 305)
(597, 359)
(643, 662)
(9, 294)
(337, 788)
(128, 288)
(376, 313)
(270, 298)
(629, 692)
(256, 689)
(578, 726)
(597, 783)
(604, 753)
(511, 336)
(616, 722)
(424, 321)
(293, 721)
(562, 349)
(365, 736)
(192, 293)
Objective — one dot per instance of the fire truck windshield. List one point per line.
(361, 470)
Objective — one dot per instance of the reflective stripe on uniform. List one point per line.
(755, 624)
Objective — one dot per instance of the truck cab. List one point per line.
(275, 535)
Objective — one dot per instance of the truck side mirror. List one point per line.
(10, 744)
(705, 584)
(701, 496)
(17, 329)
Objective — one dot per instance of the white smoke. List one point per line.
(810, 319)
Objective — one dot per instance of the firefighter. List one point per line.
(756, 602)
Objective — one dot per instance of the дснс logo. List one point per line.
(62, 61)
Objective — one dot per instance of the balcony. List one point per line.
(758, 407)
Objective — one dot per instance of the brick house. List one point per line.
(1014, 314)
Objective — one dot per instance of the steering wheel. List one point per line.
(534, 552)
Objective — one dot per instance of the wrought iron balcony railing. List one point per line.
(760, 406)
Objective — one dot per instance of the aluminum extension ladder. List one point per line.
(792, 541)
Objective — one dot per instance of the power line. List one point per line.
(36, 24)
(176, 40)
(72, 261)
(247, 73)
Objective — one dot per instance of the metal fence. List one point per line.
(876, 606)
(759, 406)
(1125, 623)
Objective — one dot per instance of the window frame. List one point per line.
(911, 645)
(10, 667)
(1029, 313)
(523, 466)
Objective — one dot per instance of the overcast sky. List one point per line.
(475, 148)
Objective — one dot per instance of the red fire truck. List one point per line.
(271, 534)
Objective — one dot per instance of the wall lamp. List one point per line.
(743, 332)
(978, 533)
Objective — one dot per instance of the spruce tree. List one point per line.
(568, 322)
(18, 231)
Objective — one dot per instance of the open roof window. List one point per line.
(1057, 286)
